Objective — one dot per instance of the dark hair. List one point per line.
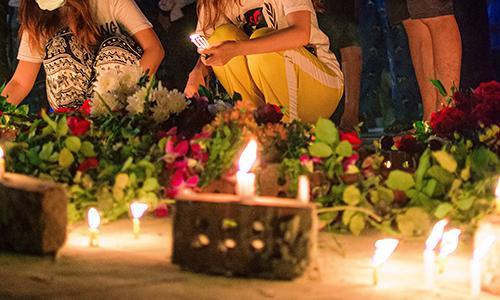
(41, 25)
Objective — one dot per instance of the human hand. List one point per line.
(192, 86)
(220, 54)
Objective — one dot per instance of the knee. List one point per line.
(227, 32)
(261, 32)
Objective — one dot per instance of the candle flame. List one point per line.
(497, 190)
(2, 154)
(436, 235)
(94, 219)
(383, 250)
(248, 157)
(449, 243)
(483, 248)
(388, 164)
(138, 209)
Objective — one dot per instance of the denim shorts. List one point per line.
(400, 10)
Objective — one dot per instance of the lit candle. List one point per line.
(2, 163)
(479, 253)
(383, 250)
(137, 209)
(94, 220)
(303, 192)
(497, 196)
(245, 180)
(449, 244)
(430, 254)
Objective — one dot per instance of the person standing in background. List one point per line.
(4, 66)
(339, 21)
(435, 45)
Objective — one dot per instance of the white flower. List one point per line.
(99, 108)
(167, 103)
(129, 76)
(135, 103)
(50, 4)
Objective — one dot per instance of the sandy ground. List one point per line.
(124, 268)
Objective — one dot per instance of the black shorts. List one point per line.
(400, 10)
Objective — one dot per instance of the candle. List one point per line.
(383, 250)
(429, 253)
(137, 209)
(479, 253)
(449, 244)
(94, 221)
(497, 196)
(2, 163)
(245, 180)
(304, 189)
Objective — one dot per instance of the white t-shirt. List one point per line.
(112, 16)
(254, 14)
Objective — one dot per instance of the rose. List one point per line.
(50, 5)
(64, 110)
(488, 90)
(78, 126)
(86, 107)
(268, 113)
(352, 138)
(89, 163)
(447, 121)
(409, 144)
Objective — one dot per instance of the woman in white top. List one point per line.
(74, 39)
(272, 51)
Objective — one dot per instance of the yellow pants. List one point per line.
(294, 79)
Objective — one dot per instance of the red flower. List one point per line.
(161, 211)
(352, 138)
(489, 90)
(1, 113)
(181, 180)
(447, 121)
(89, 163)
(86, 107)
(64, 110)
(409, 144)
(268, 113)
(351, 160)
(78, 126)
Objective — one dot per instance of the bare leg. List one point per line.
(447, 47)
(422, 54)
(351, 66)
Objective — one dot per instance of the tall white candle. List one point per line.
(94, 221)
(383, 250)
(497, 197)
(245, 180)
(2, 163)
(303, 193)
(430, 254)
(475, 273)
(449, 244)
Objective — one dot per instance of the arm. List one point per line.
(196, 78)
(22, 82)
(296, 35)
(153, 50)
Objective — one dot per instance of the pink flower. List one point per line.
(352, 138)
(351, 160)
(161, 211)
(181, 180)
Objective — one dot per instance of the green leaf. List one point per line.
(352, 195)
(357, 224)
(446, 160)
(62, 127)
(66, 158)
(414, 222)
(443, 176)
(440, 87)
(46, 151)
(88, 149)
(327, 132)
(347, 216)
(73, 143)
(321, 150)
(344, 149)
(465, 203)
(151, 185)
(49, 121)
(386, 195)
(33, 157)
(328, 217)
(399, 180)
(443, 210)
(423, 165)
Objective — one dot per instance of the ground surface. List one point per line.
(124, 268)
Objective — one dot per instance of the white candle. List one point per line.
(383, 250)
(94, 221)
(137, 209)
(449, 244)
(475, 272)
(429, 253)
(2, 163)
(245, 180)
(303, 192)
(497, 197)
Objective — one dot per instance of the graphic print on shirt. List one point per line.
(260, 17)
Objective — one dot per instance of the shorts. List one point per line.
(342, 31)
(400, 10)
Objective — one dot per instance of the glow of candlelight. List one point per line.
(94, 221)
(2, 162)
(449, 244)
(137, 209)
(429, 253)
(388, 164)
(478, 255)
(383, 250)
(497, 196)
(245, 180)
(303, 193)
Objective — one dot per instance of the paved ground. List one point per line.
(124, 268)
